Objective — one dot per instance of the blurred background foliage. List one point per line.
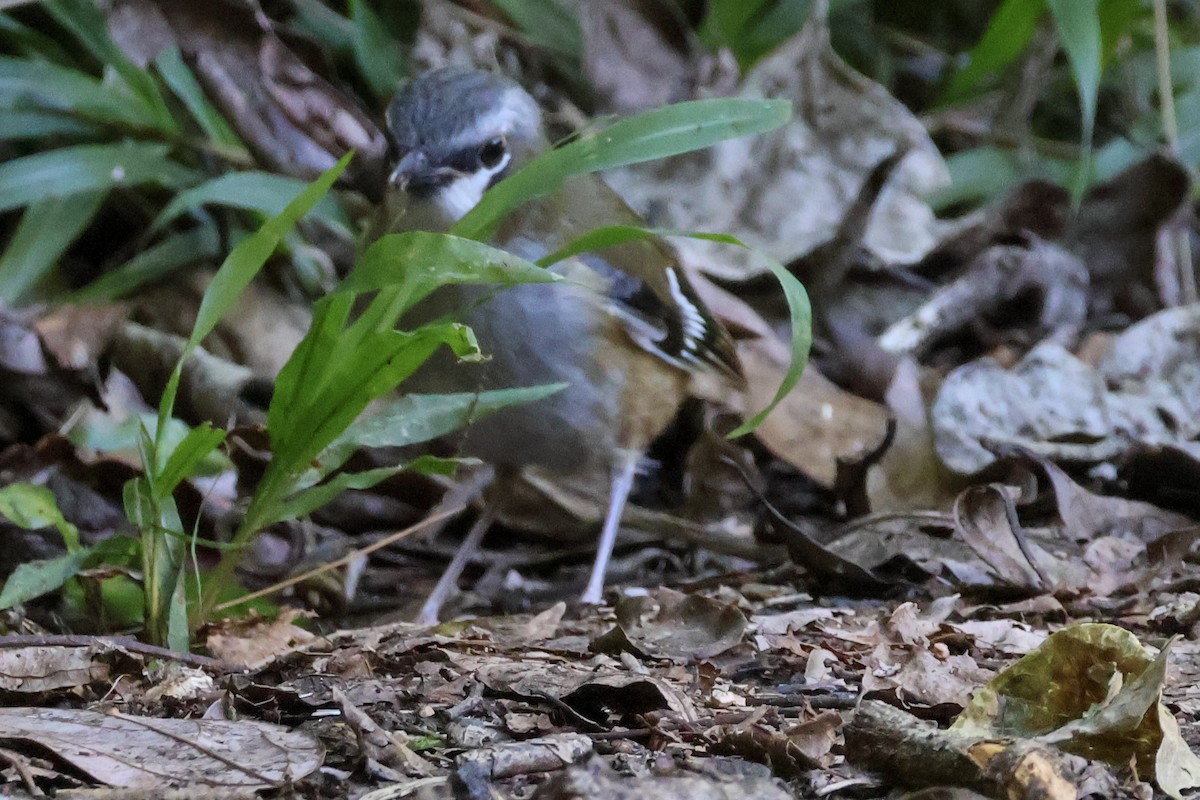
(112, 175)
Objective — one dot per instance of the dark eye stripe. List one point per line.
(466, 160)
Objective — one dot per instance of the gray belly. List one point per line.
(534, 334)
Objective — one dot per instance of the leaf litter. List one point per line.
(977, 460)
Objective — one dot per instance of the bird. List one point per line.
(624, 329)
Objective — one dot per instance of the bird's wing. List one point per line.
(647, 289)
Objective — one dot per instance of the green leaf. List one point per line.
(47, 86)
(419, 262)
(323, 24)
(36, 578)
(186, 457)
(263, 192)
(84, 19)
(547, 24)
(34, 507)
(1009, 32)
(375, 51)
(753, 28)
(985, 172)
(308, 363)
(800, 312)
(185, 86)
(417, 418)
(660, 133)
(1078, 23)
(347, 385)
(88, 168)
(236, 272)
(47, 229)
(17, 124)
(305, 502)
(28, 41)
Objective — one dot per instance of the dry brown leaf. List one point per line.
(146, 753)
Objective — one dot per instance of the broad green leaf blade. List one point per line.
(183, 83)
(1078, 23)
(660, 133)
(32, 507)
(47, 229)
(356, 379)
(263, 192)
(88, 168)
(36, 578)
(199, 244)
(418, 418)
(418, 262)
(1008, 33)
(375, 51)
(308, 365)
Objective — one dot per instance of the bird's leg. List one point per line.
(428, 615)
(622, 482)
(459, 495)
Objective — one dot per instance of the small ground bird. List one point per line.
(625, 330)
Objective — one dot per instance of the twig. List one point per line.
(126, 643)
(346, 559)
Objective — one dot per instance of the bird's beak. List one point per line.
(415, 175)
(414, 163)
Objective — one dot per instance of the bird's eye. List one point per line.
(493, 152)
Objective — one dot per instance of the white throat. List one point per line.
(463, 194)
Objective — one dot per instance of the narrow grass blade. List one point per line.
(88, 168)
(660, 133)
(263, 192)
(547, 24)
(375, 51)
(236, 272)
(34, 124)
(47, 229)
(84, 19)
(36, 84)
(1078, 23)
(1006, 37)
(183, 84)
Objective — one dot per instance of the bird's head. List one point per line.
(456, 132)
